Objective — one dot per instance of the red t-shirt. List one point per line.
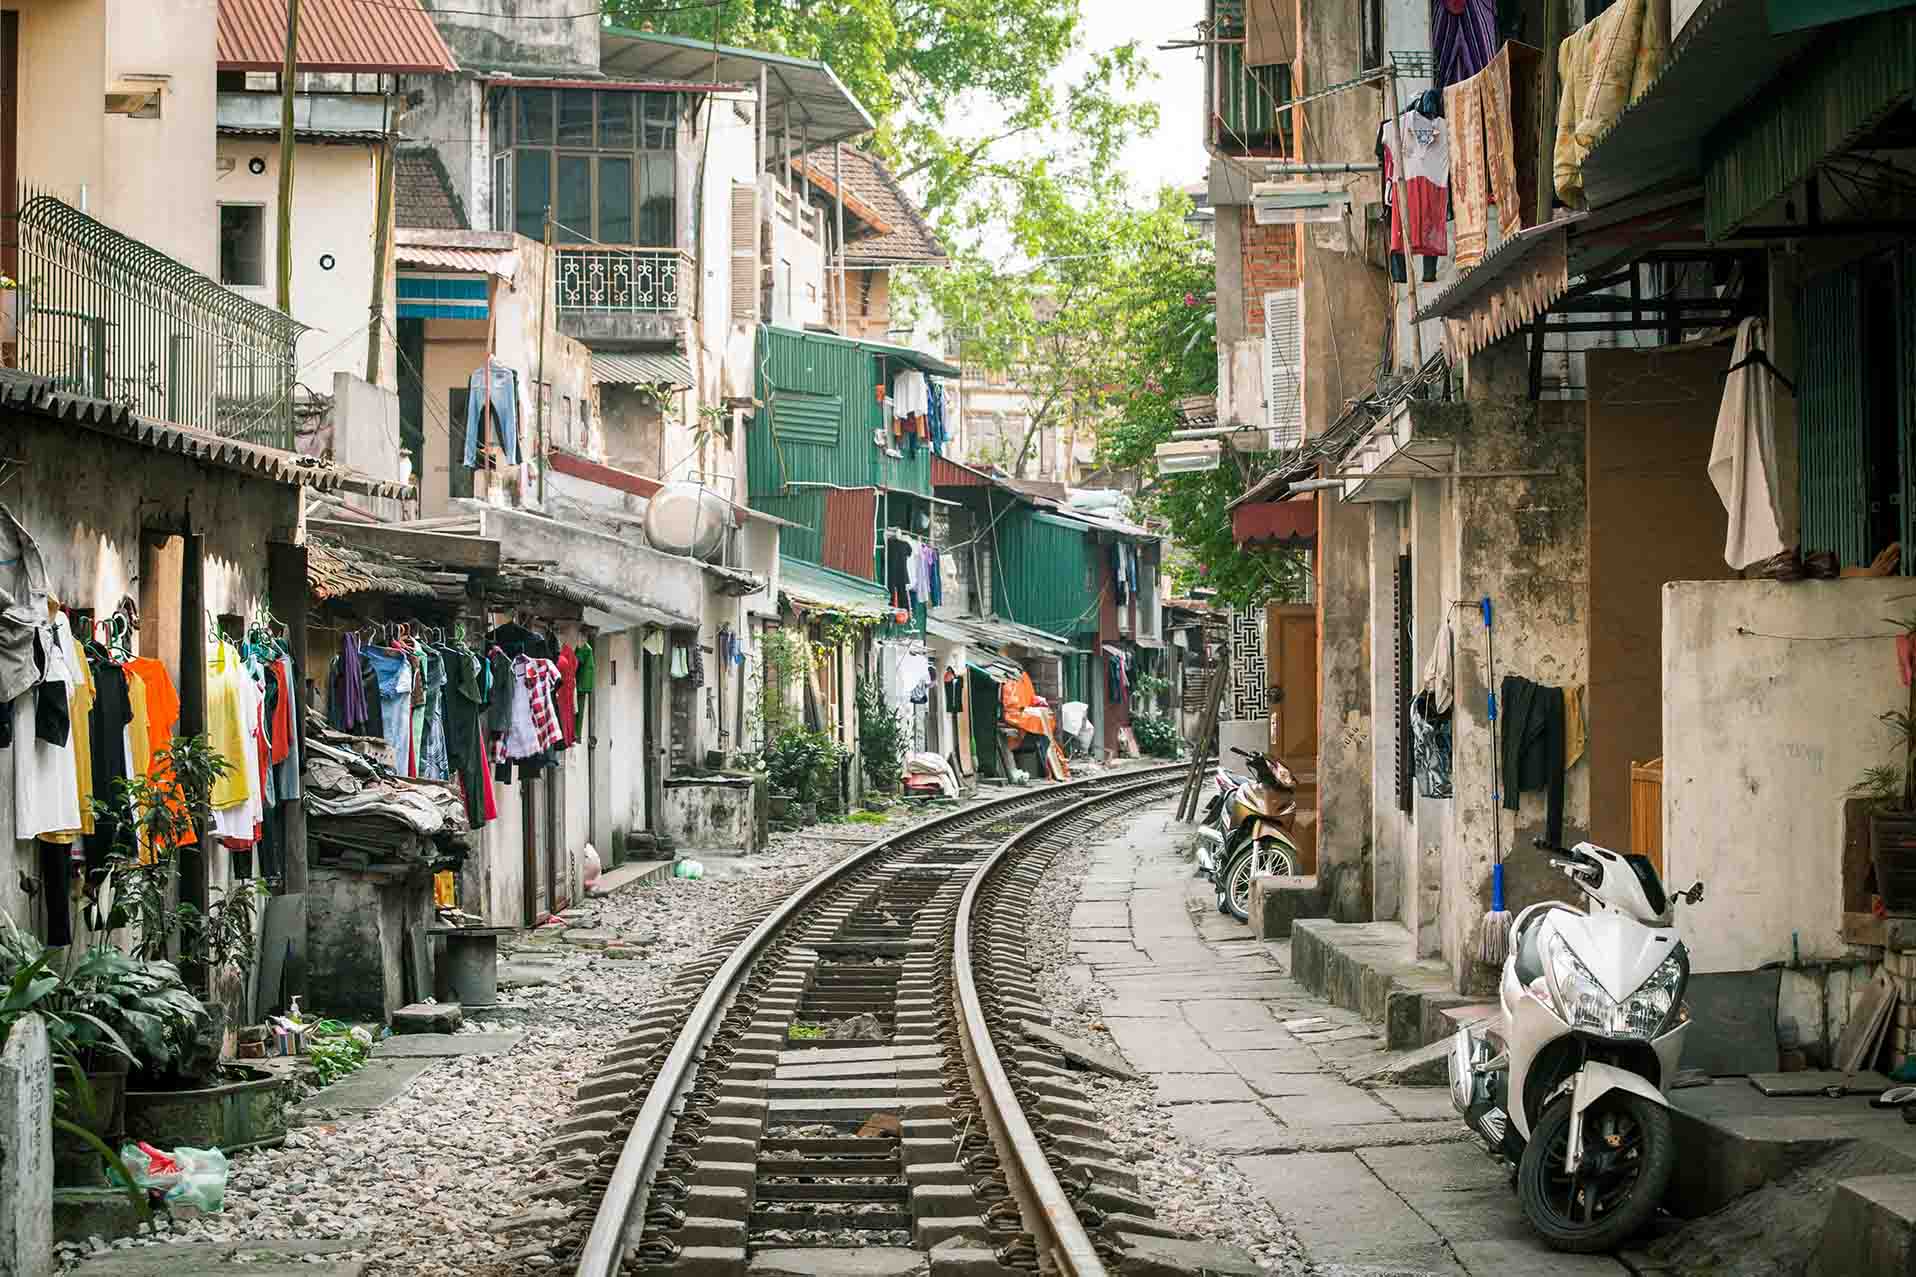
(568, 695)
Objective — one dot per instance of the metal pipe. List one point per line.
(1301, 170)
(838, 190)
(1214, 432)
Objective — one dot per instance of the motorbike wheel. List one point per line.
(1266, 856)
(1629, 1154)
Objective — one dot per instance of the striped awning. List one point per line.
(478, 261)
(641, 368)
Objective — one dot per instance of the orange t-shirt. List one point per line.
(162, 713)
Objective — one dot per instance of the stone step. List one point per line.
(1370, 968)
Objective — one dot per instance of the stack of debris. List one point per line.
(362, 816)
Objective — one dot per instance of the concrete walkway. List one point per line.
(1375, 1181)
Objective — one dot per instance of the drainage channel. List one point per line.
(811, 1087)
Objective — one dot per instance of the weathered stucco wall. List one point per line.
(87, 498)
(1521, 541)
(1763, 732)
(1344, 844)
(334, 200)
(543, 35)
(146, 159)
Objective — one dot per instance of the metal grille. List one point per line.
(1832, 417)
(618, 279)
(1400, 631)
(107, 316)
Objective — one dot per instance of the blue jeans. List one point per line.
(503, 393)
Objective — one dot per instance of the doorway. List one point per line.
(1290, 671)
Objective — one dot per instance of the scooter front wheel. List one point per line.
(1266, 856)
(1629, 1155)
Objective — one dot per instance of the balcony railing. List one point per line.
(619, 281)
(108, 316)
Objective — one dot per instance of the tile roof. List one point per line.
(896, 232)
(422, 194)
(26, 392)
(334, 35)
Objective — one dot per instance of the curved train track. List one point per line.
(849, 1068)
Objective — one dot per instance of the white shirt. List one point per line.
(46, 782)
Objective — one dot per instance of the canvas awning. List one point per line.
(1291, 523)
(1507, 290)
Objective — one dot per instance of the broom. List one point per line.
(1496, 928)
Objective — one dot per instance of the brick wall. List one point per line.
(1270, 261)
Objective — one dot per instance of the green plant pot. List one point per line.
(1892, 846)
(77, 1164)
(246, 1110)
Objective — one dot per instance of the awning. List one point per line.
(479, 261)
(996, 633)
(1507, 290)
(642, 368)
(820, 588)
(372, 36)
(1723, 58)
(806, 95)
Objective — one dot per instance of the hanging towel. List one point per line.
(1576, 731)
(1743, 454)
(1603, 66)
(1469, 184)
(1533, 741)
(1440, 670)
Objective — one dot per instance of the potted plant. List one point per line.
(1891, 789)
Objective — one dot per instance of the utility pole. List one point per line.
(287, 75)
(382, 241)
(545, 300)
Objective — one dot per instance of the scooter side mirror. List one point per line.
(1694, 895)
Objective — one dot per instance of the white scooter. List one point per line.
(1573, 1093)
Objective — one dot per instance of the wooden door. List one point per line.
(1290, 663)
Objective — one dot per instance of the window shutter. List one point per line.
(744, 253)
(1401, 675)
(1284, 367)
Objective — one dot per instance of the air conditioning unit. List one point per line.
(1289, 203)
(1189, 457)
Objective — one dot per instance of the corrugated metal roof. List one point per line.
(641, 368)
(807, 94)
(334, 35)
(1723, 57)
(25, 392)
(334, 570)
(304, 135)
(810, 585)
(997, 633)
(469, 260)
(851, 522)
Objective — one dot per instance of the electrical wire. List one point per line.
(684, 6)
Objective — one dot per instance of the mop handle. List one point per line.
(1497, 887)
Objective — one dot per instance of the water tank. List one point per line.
(683, 518)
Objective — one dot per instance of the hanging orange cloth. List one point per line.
(162, 717)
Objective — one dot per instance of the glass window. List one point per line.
(656, 202)
(532, 190)
(615, 200)
(661, 121)
(243, 244)
(535, 117)
(575, 117)
(498, 123)
(616, 129)
(502, 193)
(574, 205)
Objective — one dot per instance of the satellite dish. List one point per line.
(683, 518)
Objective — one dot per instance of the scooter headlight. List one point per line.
(1585, 1004)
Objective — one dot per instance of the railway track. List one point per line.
(847, 1069)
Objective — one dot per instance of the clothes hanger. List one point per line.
(1760, 359)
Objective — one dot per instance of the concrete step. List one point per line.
(1871, 1228)
(1370, 968)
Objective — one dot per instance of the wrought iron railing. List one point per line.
(618, 280)
(105, 315)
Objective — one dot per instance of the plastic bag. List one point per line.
(202, 1183)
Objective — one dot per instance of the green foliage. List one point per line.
(336, 1050)
(881, 737)
(1896, 786)
(787, 659)
(1157, 735)
(1196, 508)
(803, 762)
(109, 1004)
(222, 936)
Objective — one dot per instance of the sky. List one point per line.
(1175, 154)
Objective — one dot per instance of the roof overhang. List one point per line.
(1722, 61)
(641, 368)
(812, 587)
(1505, 291)
(596, 82)
(468, 252)
(806, 96)
(368, 36)
(1290, 524)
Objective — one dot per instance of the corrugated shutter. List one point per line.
(745, 293)
(801, 418)
(1284, 366)
(1832, 417)
(1400, 630)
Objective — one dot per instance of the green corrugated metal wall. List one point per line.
(809, 384)
(805, 507)
(1248, 101)
(1800, 119)
(1832, 416)
(1041, 573)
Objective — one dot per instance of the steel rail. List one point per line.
(1048, 1212)
(621, 1215)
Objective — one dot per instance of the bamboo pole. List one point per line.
(288, 73)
